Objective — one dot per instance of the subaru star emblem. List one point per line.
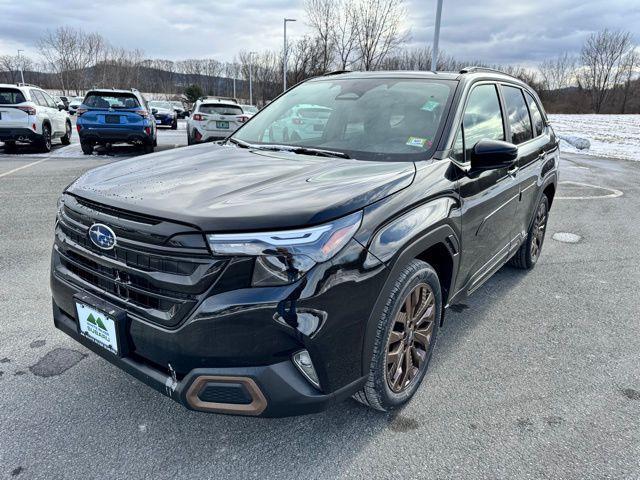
(102, 236)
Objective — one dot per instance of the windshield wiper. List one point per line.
(303, 150)
(240, 143)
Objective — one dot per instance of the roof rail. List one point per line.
(216, 97)
(20, 84)
(472, 69)
(335, 72)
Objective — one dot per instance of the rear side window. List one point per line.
(11, 96)
(48, 100)
(111, 100)
(518, 115)
(221, 109)
(482, 117)
(536, 115)
(38, 98)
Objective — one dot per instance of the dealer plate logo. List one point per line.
(102, 236)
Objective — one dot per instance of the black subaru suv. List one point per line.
(307, 259)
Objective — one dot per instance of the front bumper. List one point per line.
(164, 120)
(18, 135)
(275, 390)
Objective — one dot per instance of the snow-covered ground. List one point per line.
(613, 136)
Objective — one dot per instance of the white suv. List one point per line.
(29, 114)
(214, 118)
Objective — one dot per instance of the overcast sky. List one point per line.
(496, 31)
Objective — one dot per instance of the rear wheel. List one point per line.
(148, 148)
(66, 139)
(44, 144)
(87, 148)
(10, 147)
(527, 255)
(405, 338)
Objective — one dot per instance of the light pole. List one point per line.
(20, 65)
(284, 57)
(436, 37)
(251, 78)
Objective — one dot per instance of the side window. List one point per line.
(536, 115)
(482, 117)
(518, 115)
(37, 98)
(49, 101)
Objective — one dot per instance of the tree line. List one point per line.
(344, 35)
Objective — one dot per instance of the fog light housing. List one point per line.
(302, 360)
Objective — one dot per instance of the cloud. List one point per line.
(490, 30)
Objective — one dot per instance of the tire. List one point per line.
(44, 143)
(66, 139)
(87, 148)
(388, 386)
(10, 147)
(148, 148)
(529, 252)
(174, 125)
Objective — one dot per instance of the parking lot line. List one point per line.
(23, 167)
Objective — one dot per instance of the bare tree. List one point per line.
(11, 65)
(344, 34)
(320, 14)
(602, 56)
(630, 72)
(558, 73)
(379, 30)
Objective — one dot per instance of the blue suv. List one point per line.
(109, 116)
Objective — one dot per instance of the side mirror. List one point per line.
(61, 106)
(154, 111)
(493, 154)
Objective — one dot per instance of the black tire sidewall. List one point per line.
(528, 258)
(45, 142)
(390, 400)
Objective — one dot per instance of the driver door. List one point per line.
(489, 197)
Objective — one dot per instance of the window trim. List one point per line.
(544, 123)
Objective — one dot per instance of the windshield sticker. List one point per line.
(418, 142)
(430, 106)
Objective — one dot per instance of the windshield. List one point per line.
(376, 118)
(159, 104)
(221, 109)
(111, 100)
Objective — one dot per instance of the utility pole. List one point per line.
(20, 65)
(436, 37)
(251, 78)
(284, 55)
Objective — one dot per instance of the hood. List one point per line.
(164, 111)
(222, 188)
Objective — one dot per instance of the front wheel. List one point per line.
(174, 125)
(10, 147)
(527, 255)
(405, 338)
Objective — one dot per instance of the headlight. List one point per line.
(284, 257)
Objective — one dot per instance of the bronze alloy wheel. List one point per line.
(539, 225)
(410, 338)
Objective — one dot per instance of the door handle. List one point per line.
(513, 170)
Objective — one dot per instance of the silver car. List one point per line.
(214, 118)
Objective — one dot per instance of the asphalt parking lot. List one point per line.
(537, 376)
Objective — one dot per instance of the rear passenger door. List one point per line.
(489, 197)
(56, 116)
(527, 130)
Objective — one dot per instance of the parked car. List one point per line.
(66, 101)
(28, 114)
(300, 122)
(249, 110)
(60, 103)
(214, 118)
(109, 116)
(263, 278)
(179, 108)
(164, 114)
(74, 104)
